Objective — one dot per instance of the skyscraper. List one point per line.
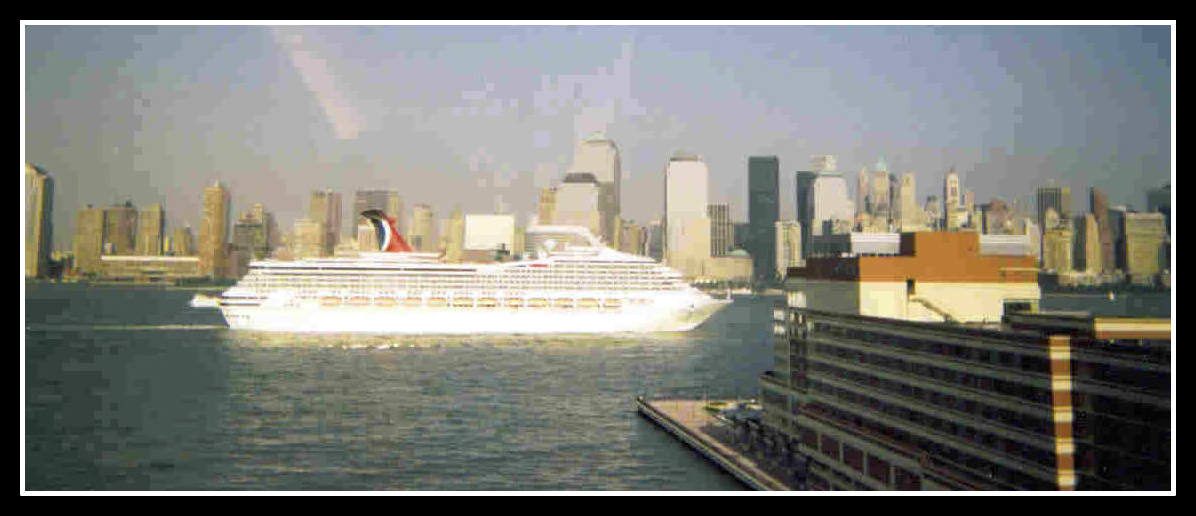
(39, 229)
(1086, 250)
(1053, 197)
(686, 228)
(453, 237)
(578, 203)
(183, 242)
(1144, 237)
(388, 201)
(599, 156)
(952, 200)
(763, 212)
(863, 192)
(910, 216)
(213, 231)
(1098, 204)
(721, 232)
(832, 209)
(546, 210)
(89, 239)
(1158, 200)
(804, 202)
(325, 208)
(150, 230)
(309, 238)
(120, 229)
(788, 237)
(423, 229)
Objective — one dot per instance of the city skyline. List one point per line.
(170, 128)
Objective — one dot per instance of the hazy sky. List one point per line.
(472, 115)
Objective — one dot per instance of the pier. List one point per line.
(692, 424)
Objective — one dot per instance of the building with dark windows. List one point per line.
(805, 206)
(722, 235)
(763, 212)
(867, 393)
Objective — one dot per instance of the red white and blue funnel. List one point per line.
(389, 239)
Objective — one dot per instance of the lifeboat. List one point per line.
(562, 303)
(330, 301)
(537, 303)
(385, 301)
(463, 303)
(413, 301)
(487, 303)
(514, 302)
(437, 301)
(588, 303)
(612, 304)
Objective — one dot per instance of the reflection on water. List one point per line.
(131, 389)
(163, 404)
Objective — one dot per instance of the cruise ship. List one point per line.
(572, 285)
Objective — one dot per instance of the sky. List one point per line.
(480, 117)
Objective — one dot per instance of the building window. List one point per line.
(853, 457)
(878, 469)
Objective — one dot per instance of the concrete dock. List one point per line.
(690, 422)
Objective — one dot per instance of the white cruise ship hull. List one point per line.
(453, 320)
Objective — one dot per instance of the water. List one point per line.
(130, 389)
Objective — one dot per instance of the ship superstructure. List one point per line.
(574, 285)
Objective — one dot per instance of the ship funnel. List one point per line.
(389, 239)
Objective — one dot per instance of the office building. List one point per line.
(546, 209)
(387, 201)
(325, 208)
(424, 237)
(452, 240)
(39, 227)
(633, 238)
(1057, 243)
(490, 233)
(149, 269)
(722, 236)
(182, 243)
(909, 216)
(213, 231)
(308, 239)
(832, 209)
(803, 202)
(1038, 402)
(1053, 197)
(952, 201)
(656, 240)
(151, 222)
(686, 227)
(1086, 250)
(1098, 205)
(89, 239)
(1144, 235)
(120, 229)
(788, 252)
(1158, 200)
(578, 199)
(763, 212)
(599, 156)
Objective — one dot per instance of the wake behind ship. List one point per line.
(573, 285)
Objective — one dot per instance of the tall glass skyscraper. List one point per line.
(763, 212)
(805, 206)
